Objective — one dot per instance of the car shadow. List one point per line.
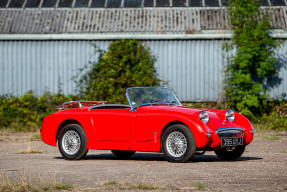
(214, 158)
(160, 157)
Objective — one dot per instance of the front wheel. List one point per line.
(230, 153)
(72, 142)
(178, 144)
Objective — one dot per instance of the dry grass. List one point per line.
(142, 186)
(30, 149)
(21, 181)
(36, 137)
(29, 152)
(269, 135)
(113, 185)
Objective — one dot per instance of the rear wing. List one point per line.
(76, 104)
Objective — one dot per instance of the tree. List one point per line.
(254, 62)
(126, 63)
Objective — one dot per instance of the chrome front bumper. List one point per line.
(229, 132)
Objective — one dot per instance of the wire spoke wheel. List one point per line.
(176, 144)
(71, 142)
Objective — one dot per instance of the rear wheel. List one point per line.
(230, 153)
(178, 144)
(72, 142)
(123, 154)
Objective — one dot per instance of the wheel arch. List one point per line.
(170, 124)
(63, 124)
(199, 135)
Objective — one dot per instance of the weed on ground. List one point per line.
(30, 182)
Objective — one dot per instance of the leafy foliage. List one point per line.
(126, 63)
(254, 63)
(25, 112)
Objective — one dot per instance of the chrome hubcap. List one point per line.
(71, 142)
(176, 144)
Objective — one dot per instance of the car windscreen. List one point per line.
(151, 95)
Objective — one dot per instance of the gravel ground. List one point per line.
(263, 167)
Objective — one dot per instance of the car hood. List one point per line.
(216, 116)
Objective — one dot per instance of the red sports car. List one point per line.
(153, 121)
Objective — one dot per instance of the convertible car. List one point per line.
(154, 121)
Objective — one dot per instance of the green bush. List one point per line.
(254, 62)
(276, 119)
(25, 112)
(126, 63)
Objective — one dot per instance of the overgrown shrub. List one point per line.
(254, 63)
(127, 63)
(25, 112)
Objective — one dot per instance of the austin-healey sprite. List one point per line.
(154, 121)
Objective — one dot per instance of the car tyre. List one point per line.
(123, 154)
(178, 143)
(72, 142)
(230, 154)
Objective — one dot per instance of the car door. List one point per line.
(112, 124)
(149, 123)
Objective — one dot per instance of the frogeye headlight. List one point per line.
(203, 116)
(229, 115)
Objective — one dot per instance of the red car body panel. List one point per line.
(141, 129)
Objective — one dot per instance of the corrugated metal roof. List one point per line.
(123, 20)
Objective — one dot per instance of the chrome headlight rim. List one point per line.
(204, 117)
(230, 115)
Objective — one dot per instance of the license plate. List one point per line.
(231, 141)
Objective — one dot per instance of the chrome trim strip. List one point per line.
(79, 103)
(109, 105)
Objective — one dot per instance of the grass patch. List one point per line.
(30, 187)
(61, 187)
(270, 137)
(143, 186)
(116, 185)
(29, 152)
(36, 137)
(111, 183)
(22, 182)
(197, 185)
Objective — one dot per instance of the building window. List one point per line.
(163, 3)
(148, 3)
(3, 3)
(49, 3)
(179, 3)
(65, 3)
(195, 3)
(132, 3)
(277, 2)
(114, 3)
(98, 3)
(16, 3)
(211, 3)
(82, 3)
